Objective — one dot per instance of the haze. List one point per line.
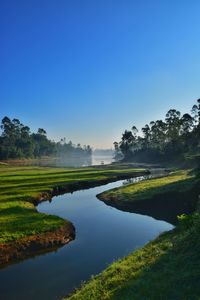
(86, 70)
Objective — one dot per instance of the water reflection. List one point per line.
(166, 206)
(137, 179)
(103, 234)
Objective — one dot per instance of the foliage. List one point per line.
(166, 140)
(187, 221)
(16, 141)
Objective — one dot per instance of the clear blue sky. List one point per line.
(87, 70)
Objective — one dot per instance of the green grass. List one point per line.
(166, 268)
(19, 185)
(176, 181)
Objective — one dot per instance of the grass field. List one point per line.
(179, 180)
(20, 185)
(166, 268)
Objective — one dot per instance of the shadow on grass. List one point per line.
(68, 178)
(166, 269)
(174, 275)
(175, 199)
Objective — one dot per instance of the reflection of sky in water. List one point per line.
(98, 160)
(103, 234)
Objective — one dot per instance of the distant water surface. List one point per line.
(67, 161)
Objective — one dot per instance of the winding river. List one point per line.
(103, 234)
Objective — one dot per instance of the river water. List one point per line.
(103, 234)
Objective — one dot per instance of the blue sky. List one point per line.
(87, 70)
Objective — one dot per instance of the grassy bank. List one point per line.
(176, 181)
(22, 186)
(166, 268)
(161, 198)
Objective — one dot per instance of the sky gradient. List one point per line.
(88, 70)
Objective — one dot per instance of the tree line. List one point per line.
(173, 138)
(17, 142)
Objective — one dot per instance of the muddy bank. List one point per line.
(83, 185)
(36, 244)
(163, 206)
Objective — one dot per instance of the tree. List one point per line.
(165, 140)
(126, 143)
(118, 154)
(158, 134)
(41, 131)
(147, 136)
(17, 141)
(173, 124)
(7, 127)
(187, 123)
(134, 131)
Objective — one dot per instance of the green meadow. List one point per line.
(21, 185)
(166, 268)
(147, 189)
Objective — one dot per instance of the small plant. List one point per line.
(186, 221)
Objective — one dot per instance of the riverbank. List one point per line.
(149, 189)
(24, 231)
(177, 192)
(166, 268)
(36, 244)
